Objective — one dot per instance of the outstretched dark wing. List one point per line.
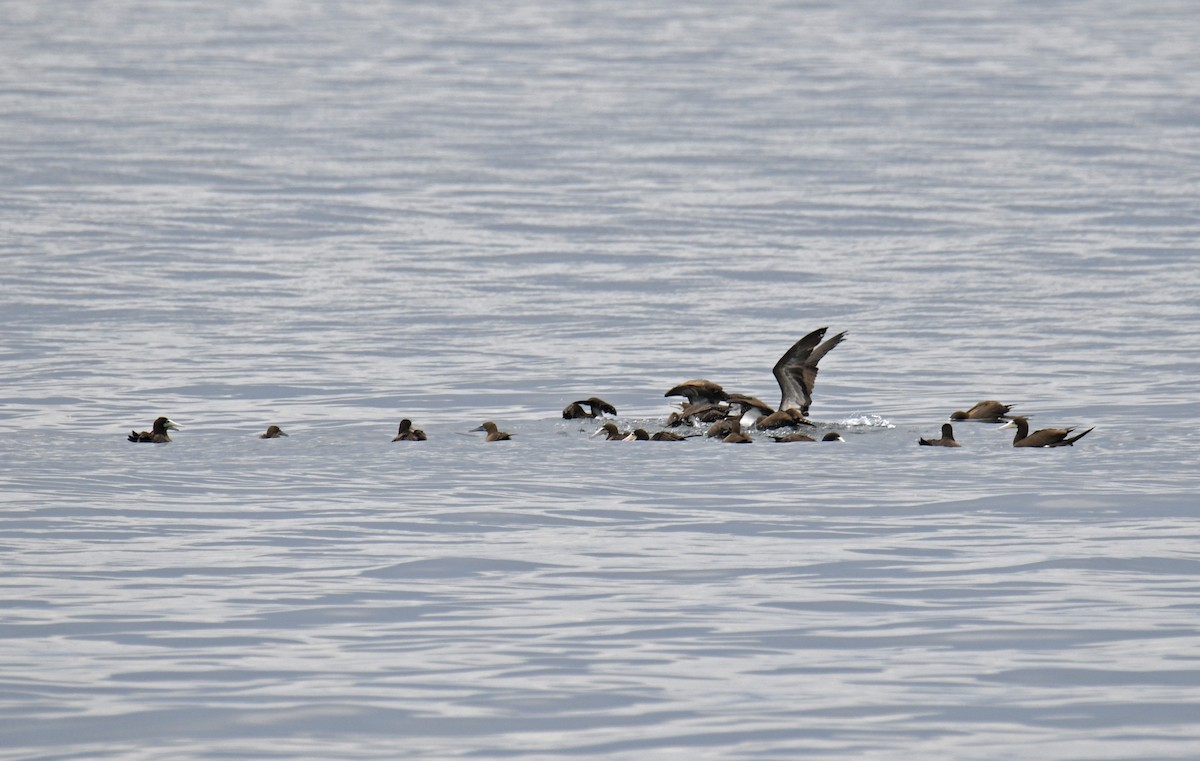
(796, 370)
(598, 406)
(699, 390)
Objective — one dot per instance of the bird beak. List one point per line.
(173, 424)
(597, 433)
(1009, 424)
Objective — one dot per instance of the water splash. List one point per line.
(866, 421)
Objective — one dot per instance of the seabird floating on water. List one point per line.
(407, 433)
(1046, 437)
(640, 434)
(666, 436)
(158, 434)
(493, 433)
(724, 427)
(947, 439)
(611, 432)
(989, 411)
(273, 432)
(781, 419)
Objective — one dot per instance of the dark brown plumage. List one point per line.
(703, 412)
(666, 436)
(748, 403)
(724, 427)
(407, 433)
(640, 434)
(157, 434)
(987, 411)
(796, 370)
(591, 407)
(781, 419)
(493, 433)
(699, 390)
(576, 410)
(729, 431)
(611, 432)
(947, 439)
(273, 432)
(1045, 437)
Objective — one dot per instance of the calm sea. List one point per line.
(330, 216)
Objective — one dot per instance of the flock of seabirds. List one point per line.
(731, 417)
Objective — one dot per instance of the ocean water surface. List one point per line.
(333, 216)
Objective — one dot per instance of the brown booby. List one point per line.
(947, 439)
(407, 433)
(989, 411)
(1045, 437)
(157, 434)
(493, 433)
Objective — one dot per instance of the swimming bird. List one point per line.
(729, 431)
(796, 370)
(947, 439)
(666, 436)
(724, 427)
(640, 434)
(611, 432)
(273, 432)
(989, 411)
(407, 433)
(781, 419)
(595, 407)
(493, 433)
(833, 436)
(1046, 437)
(158, 434)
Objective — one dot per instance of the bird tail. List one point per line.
(1073, 439)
